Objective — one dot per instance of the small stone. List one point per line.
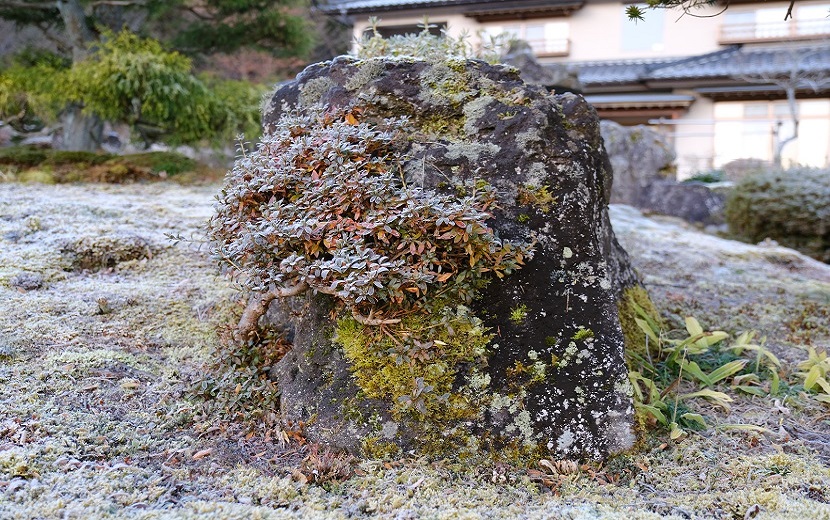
(26, 281)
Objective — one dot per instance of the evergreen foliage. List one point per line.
(134, 81)
(194, 27)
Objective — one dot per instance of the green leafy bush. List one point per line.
(790, 206)
(31, 90)
(133, 80)
(707, 177)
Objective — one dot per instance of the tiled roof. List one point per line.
(735, 61)
(618, 71)
(360, 6)
(725, 63)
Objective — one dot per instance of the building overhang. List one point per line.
(481, 10)
(496, 12)
(639, 101)
(755, 93)
(636, 108)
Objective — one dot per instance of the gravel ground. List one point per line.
(105, 325)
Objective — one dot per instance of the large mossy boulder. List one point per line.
(535, 364)
(790, 206)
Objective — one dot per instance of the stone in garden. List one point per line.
(559, 77)
(639, 156)
(693, 202)
(555, 380)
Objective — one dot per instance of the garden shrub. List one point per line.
(322, 205)
(790, 206)
(28, 164)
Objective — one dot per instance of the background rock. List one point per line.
(639, 156)
(693, 202)
(559, 77)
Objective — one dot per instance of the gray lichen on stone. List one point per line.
(313, 91)
(367, 71)
(543, 154)
(474, 152)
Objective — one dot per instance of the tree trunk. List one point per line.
(79, 131)
(793, 107)
(79, 33)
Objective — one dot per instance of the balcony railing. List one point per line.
(774, 31)
(549, 48)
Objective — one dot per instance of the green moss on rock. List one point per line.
(632, 297)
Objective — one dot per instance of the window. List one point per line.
(545, 38)
(754, 129)
(768, 24)
(643, 35)
(813, 19)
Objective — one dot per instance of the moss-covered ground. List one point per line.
(98, 362)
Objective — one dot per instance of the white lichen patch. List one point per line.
(474, 152)
(474, 111)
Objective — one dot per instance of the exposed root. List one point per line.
(369, 321)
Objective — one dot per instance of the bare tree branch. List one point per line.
(122, 3)
(790, 73)
(789, 14)
(258, 306)
(372, 322)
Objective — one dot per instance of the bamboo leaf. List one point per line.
(754, 390)
(693, 327)
(775, 384)
(742, 427)
(727, 370)
(648, 330)
(676, 433)
(692, 368)
(656, 413)
(716, 398)
(825, 386)
(695, 417)
(812, 377)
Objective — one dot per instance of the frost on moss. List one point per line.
(789, 206)
(632, 298)
(95, 253)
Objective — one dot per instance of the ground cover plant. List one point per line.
(120, 399)
(48, 166)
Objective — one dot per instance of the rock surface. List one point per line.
(559, 77)
(693, 202)
(639, 156)
(555, 380)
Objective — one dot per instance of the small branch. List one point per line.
(372, 322)
(789, 14)
(258, 306)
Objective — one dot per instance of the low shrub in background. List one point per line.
(29, 164)
(790, 206)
